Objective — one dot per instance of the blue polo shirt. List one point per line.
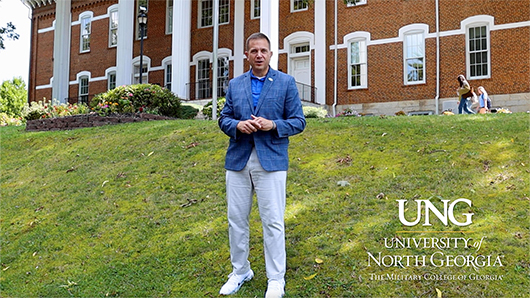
(256, 86)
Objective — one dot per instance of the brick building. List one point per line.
(377, 56)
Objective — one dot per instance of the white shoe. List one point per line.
(234, 282)
(275, 289)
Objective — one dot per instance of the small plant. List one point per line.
(400, 113)
(348, 113)
(207, 110)
(6, 120)
(314, 112)
(43, 109)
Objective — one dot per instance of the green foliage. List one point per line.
(143, 98)
(314, 112)
(13, 95)
(188, 112)
(207, 110)
(42, 109)
(8, 32)
(139, 210)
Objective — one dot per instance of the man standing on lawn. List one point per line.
(262, 110)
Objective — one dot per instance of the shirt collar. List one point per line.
(255, 77)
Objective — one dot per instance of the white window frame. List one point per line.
(168, 71)
(169, 16)
(363, 63)
(200, 78)
(113, 26)
(469, 52)
(222, 4)
(83, 89)
(293, 3)
(111, 80)
(253, 15)
(85, 16)
(136, 70)
(406, 46)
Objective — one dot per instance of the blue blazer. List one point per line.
(279, 101)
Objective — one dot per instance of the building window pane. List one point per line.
(111, 81)
(86, 26)
(113, 28)
(83, 90)
(167, 76)
(414, 58)
(478, 52)
(169, 17)
(203, 79)
(222, 75)
(358, 67)
(255, 9)
(206, 10)
(299, 5)
(145, 75)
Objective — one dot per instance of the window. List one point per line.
(203, 79)
(145, 75)
(300, 49)
(223, 72)
(255, 9)
(167, 76)
(478, 52)
(111, 81)
(83, 89)
(358, 70)
(414, 47)
(144, 4)
(298, 5)
(86, 26)
(355, 2)
(206, 12)
(113, 28)
(169, 17)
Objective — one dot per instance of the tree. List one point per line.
(13, 95)
(9, 32)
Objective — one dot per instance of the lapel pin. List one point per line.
(270, 79)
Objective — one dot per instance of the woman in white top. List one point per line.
(484, 102)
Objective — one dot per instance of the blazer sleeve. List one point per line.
(293, 121)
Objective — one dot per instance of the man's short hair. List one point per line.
(258, 35)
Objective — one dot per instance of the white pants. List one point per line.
(270, 192)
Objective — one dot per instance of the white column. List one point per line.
(61, 51)
(269, 24)
(239, 37)
(181, 47)
(320, 50)
(124, 51)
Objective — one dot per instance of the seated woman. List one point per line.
(484, 102)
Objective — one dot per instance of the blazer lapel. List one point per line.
(269, 81)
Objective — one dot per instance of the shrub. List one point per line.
(314, 112)
(207, 110)
(42, 109)
(142, 98)
(188, 112)
(13, 95)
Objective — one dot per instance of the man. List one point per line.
(262, 110)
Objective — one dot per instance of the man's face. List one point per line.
(259, 56)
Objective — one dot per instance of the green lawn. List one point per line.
(138, 210)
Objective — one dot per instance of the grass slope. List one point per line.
(139, 209)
